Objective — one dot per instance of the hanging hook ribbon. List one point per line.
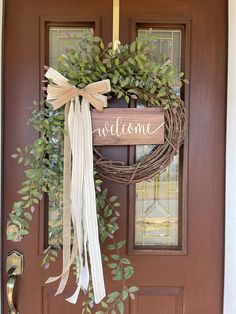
(79, 198)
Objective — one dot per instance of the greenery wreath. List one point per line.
(134, 75)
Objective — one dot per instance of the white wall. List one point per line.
(1, 21)
(230, 224)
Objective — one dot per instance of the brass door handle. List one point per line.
(14, 269)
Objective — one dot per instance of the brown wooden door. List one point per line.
(185, 273)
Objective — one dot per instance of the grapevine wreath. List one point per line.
(134, 76)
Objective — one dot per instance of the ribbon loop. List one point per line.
(62, 93)
(79, 197)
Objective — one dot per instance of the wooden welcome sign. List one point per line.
(128, 126)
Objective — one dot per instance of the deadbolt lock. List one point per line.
(14, 263)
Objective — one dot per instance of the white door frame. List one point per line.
(230, 205)
(230, 189)
(1, 41)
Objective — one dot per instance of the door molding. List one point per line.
(230, 200)
(185, 26)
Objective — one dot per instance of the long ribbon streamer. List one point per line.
(79, 198)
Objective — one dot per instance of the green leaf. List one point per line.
(120, 94)
(120, 306)
(131, 61)
(27, 205)
(124, 82)
(28, 215)
(133, 46)
(115, 257)
(162, 92)
(125, 261)
(54, 253)
(113, 295)
(113, 198)
(139, 45)
(129, 271)
(125, 295)
(133, 289)
(117, 277)
(25, 198)
(104, 258)
(23, 232)
(97, 39)
(24, 190)
(111, 247)
(104, 305)
(115, 79)
(120, 244)
(112, 265)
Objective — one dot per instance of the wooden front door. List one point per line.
(173, 225)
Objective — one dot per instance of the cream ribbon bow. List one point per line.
(79, 198)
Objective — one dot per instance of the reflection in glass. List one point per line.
(60, 39)
(157, 210)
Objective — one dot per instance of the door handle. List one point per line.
(14, 268)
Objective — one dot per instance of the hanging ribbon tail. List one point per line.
(66, 206)
(79, 197)
(90, 210)
(83, 283)
(66, 268)
(85, 273)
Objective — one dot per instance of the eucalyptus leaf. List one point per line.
(133, 74)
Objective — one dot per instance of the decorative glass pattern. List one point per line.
(157, 200)
(166, 44)
(60, 39)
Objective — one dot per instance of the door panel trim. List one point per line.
(185, 26)
(167, 292)
(45, 23)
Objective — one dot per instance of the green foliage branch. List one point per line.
(132, 69)
(133, 74)
(44, 162)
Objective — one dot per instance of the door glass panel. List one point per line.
(157, 214)
(60, 39)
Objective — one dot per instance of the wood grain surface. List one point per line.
(128, 126)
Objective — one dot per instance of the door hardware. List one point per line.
(14, 268)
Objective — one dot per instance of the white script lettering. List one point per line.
(119, 128)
